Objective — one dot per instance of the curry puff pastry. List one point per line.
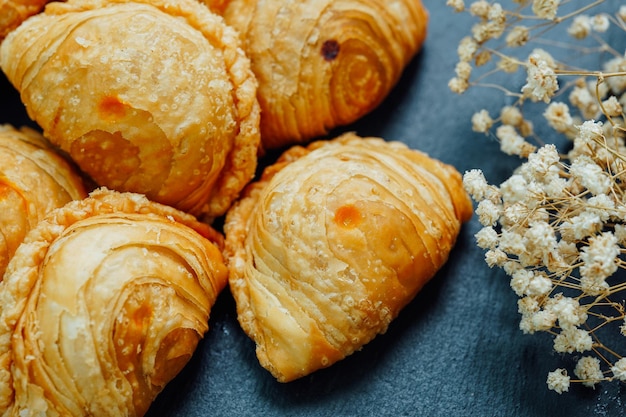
(34, 180)
(102, 305)
(332, 242)
(323, 63)
(148, 96)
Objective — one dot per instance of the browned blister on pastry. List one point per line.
(103, 304)
(149, 96)
(323, 63)
(34, 180)
(14, 12)
(332, 242)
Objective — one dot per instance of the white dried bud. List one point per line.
(580, 27)
(518, 36)
(558, 381)
(541, 80)
(457, 5)
(545, 9)
(481, 121)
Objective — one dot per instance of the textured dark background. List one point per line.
(454, 351)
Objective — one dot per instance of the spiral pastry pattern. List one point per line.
(332, 242)
(34, 180)
(148, 96)
(324, 63)
(102, 305)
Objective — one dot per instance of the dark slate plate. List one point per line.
(454, 351)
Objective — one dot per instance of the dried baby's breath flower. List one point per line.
(538, 286)
(463, 70)
(558, 380)
(512, 143)
(475, 183)
(619, 369)
(527, 305)
(541, 80)
(480, 8)
(590, 132)
(467, 48)
(542, 166)
(481, 121)
(512, 242)
(603, 206)
(599, 262)
(545, 9)
(590, 175)
(496, 14)
(515, 190)
(457, 5)
(588, 370)
(612, 107)
(511, 115)
(558, 117)
(545, 56)
(585, 101)
(567, 310)
(617, 66)
(486, 238)
(600, 22)
(620, 234)
(495, 257)
(482, 58)
(572, 339)
(487, 30)
(542, 321)
(557, 225)
(580, 27)
(518, 36)
(519, 282)
(488, 213)
(580, 227)
(458, 85)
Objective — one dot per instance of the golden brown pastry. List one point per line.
(34, 180)
(149, 96)
(323, 63)
(14, 12)
(332, 242)
(103, 305)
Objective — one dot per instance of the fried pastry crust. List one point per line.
(14, 12)
(148, 96)
(103, 304)
(34, 180)
(332, 242)
(323, 63)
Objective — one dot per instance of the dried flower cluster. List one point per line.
(557, 226)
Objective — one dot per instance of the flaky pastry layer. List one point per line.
(332, 242)
(149, 96)
(34, 180)
(14, 12)
(102, 305)
(323, 63)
